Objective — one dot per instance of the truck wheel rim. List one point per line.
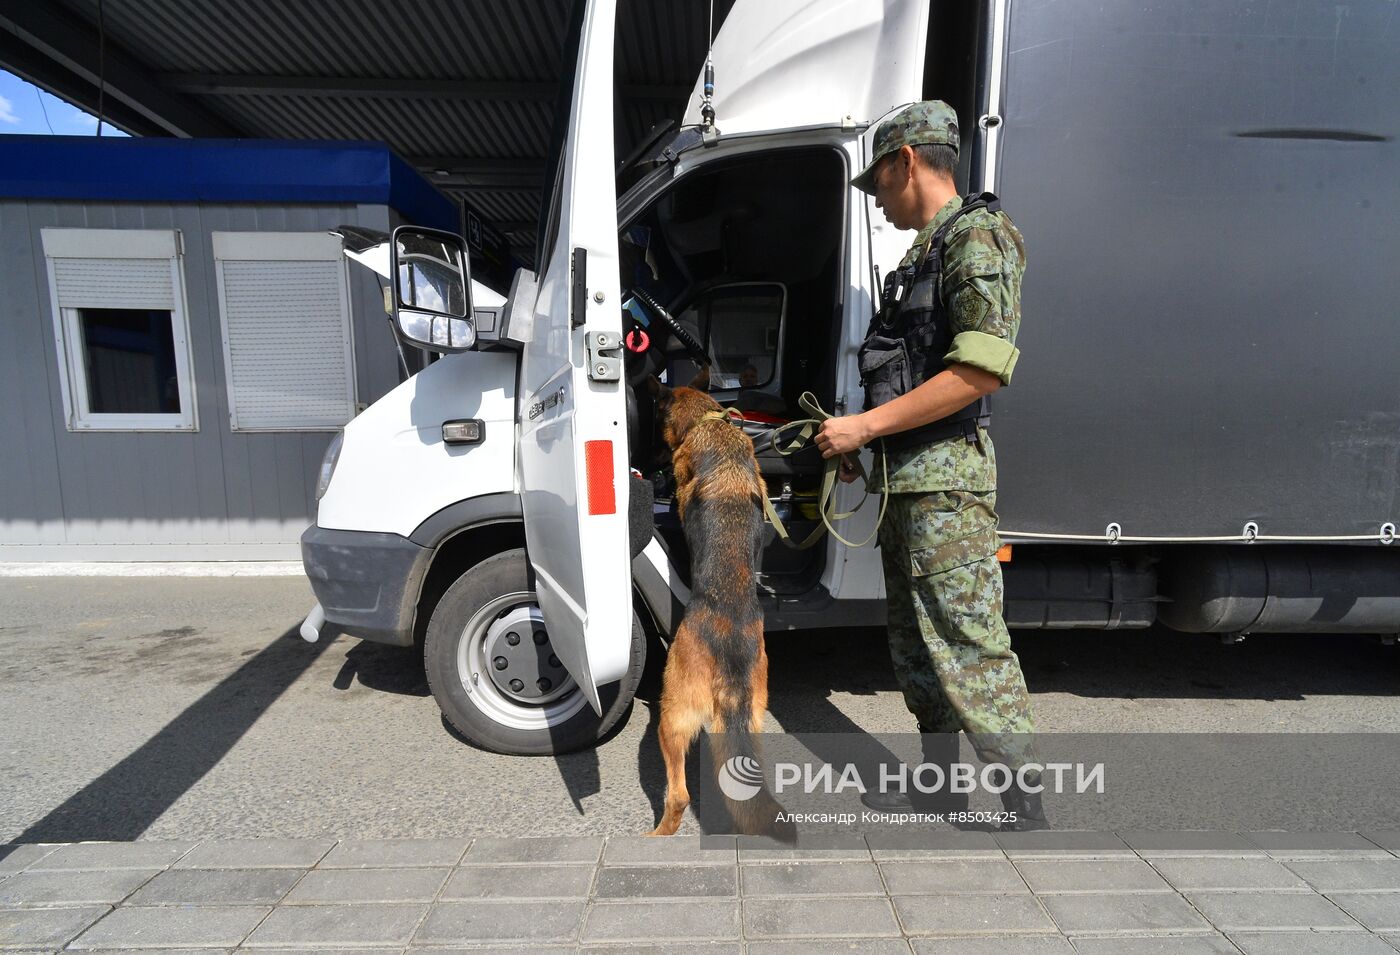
(487, 662)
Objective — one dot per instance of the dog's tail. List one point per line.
(739, 770)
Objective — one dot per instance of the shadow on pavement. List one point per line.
(577, 771)
(386, 668)
(122, 803)
(806, 669)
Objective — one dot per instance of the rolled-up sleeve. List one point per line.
(987, 352)
(982, 291)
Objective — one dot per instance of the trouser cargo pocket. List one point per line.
(951, 529)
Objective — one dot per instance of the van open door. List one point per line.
(573, 434)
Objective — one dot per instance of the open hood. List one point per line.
(781, 64)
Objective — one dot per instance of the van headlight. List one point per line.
(323, 481)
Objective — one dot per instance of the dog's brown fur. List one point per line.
(716, 675)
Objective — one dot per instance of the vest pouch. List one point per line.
(884, 370)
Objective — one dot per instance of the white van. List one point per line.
(509, 505)
(485, 503)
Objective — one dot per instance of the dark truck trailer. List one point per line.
(1205, 425)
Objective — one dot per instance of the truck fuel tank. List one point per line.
(1281, 589)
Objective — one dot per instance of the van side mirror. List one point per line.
(432, 289)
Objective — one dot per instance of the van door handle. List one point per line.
(578, 297)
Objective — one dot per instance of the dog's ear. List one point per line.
(701, 381)
(660, 392)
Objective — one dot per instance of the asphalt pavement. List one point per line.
(188, 709)
(180, 771)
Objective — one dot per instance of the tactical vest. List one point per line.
(911, 333)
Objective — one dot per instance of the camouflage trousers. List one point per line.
(948, 642)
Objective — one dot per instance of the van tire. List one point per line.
(488, 717)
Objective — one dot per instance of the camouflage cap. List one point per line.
(932, 121)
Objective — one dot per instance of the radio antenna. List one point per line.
(707, 107)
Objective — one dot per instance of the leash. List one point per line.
(806, 429)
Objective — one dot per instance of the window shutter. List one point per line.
(114, 283)
(287, 343)
(99, 271)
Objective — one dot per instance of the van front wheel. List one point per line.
(496, 678)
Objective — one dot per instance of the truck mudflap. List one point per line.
(367, 582)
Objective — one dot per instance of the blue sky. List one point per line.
(22, 109)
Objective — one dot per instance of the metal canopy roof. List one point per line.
(464, 91)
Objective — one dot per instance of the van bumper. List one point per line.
(367, 583)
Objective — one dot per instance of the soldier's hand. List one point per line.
(841, 435)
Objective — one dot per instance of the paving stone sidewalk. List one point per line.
(915, 894)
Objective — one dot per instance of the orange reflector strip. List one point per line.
(1004, 553)
(602, 491)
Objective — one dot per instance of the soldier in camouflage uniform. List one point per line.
(951, 650)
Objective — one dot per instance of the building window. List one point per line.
(121, 329)
(284, 307)
(129, 357)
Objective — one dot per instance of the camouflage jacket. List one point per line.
(984, 258)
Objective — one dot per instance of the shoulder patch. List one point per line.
(982, 243)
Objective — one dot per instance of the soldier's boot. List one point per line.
(886, 800)
(1030, 814)
(941, 750)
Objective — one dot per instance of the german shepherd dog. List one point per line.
(716, 675)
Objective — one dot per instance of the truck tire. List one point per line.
(484, 636)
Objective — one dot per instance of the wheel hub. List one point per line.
(519, 659)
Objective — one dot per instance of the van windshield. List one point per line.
(737, 251)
